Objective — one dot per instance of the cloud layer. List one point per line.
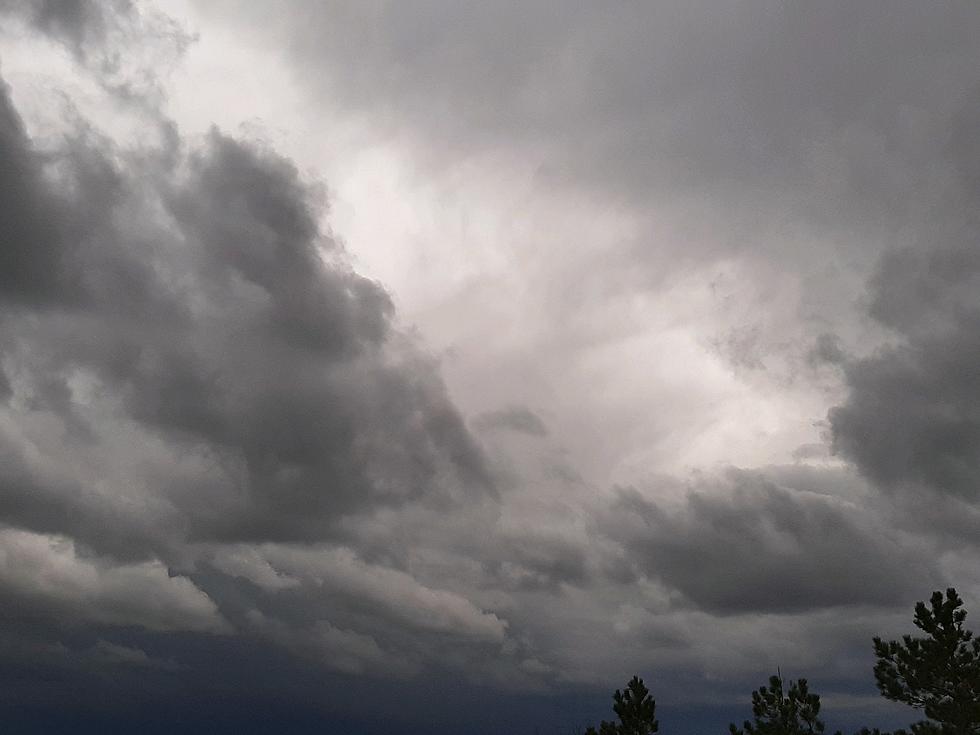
(233, 476)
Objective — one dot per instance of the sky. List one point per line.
(437, 366)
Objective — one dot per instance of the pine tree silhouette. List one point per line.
(635, 708)
(793, 713)
(938, 673)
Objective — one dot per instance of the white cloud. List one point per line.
(392, 592)
(47, 569)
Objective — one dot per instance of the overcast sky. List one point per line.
(436, 366)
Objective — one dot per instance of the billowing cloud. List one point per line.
(336, 574)
(910, 419)
(754, 545)
(189, 359)
(48, 571)
(203, 308)
(232, 470)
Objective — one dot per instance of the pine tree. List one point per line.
(939, 673)
(635, 708)
(793, 713)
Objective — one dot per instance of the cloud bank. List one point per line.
(234, 478)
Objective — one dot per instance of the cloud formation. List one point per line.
(757, 545)
(231, 469)
(910, 419)
(48, 571)
(205, 309)
(190, 365)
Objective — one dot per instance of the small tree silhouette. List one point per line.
(635, 708)
(776, 713)
(939, 673)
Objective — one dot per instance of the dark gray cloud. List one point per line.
(535, 561)
(754, 544)
(30, 266)
(911, 418)
(207, 308)
(189, 360)
(46, 500)
(350, 615)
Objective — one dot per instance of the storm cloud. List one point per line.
(754, 544)
(910, 419)
(189, 359)
(482, 353)
(238, 338)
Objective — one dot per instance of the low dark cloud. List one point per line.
(754, 544)
(536, 561)
(911, 418)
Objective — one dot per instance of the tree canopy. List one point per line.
(938, 673)
(636, 710)
(775, 713)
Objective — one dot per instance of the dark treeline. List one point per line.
(937, 673)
